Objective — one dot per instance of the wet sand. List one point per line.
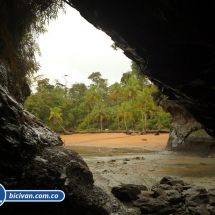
(138, 159)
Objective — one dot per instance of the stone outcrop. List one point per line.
(32, 157)
(127, 192)
(187, 200)
(186, 134)
(18, 88)
(171, 40)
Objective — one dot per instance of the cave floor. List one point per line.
(138, 159)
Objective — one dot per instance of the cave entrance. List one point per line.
(90, 85)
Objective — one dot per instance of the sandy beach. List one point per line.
(119, 140)
(138, 159)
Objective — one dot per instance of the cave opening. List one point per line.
(80, 62)
(32, 155)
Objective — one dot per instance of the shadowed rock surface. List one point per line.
(32, 157)
(186, 134)
(127, 192)
(193, 201)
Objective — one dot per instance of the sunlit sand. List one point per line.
(146, 159)
(149, 141)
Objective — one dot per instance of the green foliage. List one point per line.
(56, 115)
(114, 46)
(21, 21)
(99, 113)
(123, 106)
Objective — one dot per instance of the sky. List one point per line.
(74, 47)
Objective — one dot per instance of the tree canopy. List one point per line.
(120, 106)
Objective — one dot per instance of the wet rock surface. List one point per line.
(192, 201)
(128, 192)
(186, 134)
(186, 170)
(32, 157)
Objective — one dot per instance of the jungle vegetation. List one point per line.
(120, 106)
(124, 105)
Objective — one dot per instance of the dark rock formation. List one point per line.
(32, 157)
(196, 196)
(186, 134)
(127, 192)
(166, 180)
(193, 201)
(171, 40)
(154, 206)
(18, 88)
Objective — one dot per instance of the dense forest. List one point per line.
(120, 106)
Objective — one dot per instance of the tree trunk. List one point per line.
(63, 128)
(142, 114)
(125, 123)
(88, 118)
(145, 116)
(145, 120)
(118, 123)
(159, 124)
(101, 123)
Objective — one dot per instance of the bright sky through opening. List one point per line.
(74, 47)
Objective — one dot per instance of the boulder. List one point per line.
(127, 192)
(159, 192)
(212, 211)
(154, 206)
(179, 188)
(174, 197)
(166, 180)
(175, 182)
(196, 196)
(202, 210)
(211, 193)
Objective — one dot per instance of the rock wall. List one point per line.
(186, 134)
(32, 157)
(16, 86)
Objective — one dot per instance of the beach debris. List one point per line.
(138, 158)
(100, 162)
(111, 161)
(157, 133)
